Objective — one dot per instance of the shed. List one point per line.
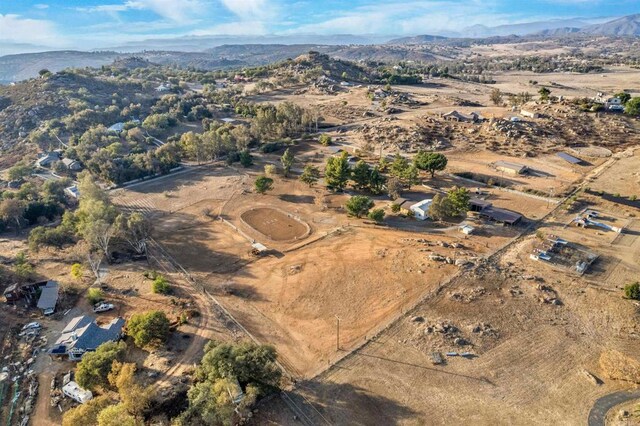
(529, 114)
(421, 210)
(48, 297)
(467, 229)
(72, 165)
(229, 120)
(11, 293)
(477, 205)
(511, 168)
(501, 215)
(569, 158)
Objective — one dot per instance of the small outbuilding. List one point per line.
(12, 293)
(467, 229)
(569, 158)
(421, 210)
(72, 165)
(511, 168)
(72, 191)
(48, 297)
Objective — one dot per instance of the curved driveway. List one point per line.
(602, 406)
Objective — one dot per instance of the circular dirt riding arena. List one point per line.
(275, 224)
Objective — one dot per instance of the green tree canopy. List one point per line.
(87, 413)
(337, 171)
(287, 161)
(430, 162)
(359, 205)
(149, 328)
(263, 184)
(633, 107)
(459, 200)
(310, 175)
(253, 366)
(94, 367)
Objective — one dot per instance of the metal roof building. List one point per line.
(49, 296)
(569, 158)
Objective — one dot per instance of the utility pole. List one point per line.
(337, 333)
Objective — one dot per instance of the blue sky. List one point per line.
(97, 23)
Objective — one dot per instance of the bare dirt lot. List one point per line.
(275, 224)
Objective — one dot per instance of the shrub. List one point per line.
(77, 270)
(95, 295)
(632, 291)
(270, 170)
(377, 215)
(633, 197)
(160, 285)
(395, 208)
(325, 139)
(149, 328)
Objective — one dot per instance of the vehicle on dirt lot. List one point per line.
(103, 307)
(32, 325)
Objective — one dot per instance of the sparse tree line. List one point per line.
(97, 222)
(228, 382)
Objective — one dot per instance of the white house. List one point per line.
(75, 392)
(421, 210)
(116, 128)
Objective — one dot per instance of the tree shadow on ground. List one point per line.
(297, 199)
(344, 403)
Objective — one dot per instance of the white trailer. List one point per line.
(75, 392)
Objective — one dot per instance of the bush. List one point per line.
(377, 215)
(632, 291)
(395, 208)
(246, 160)
(325, 139)
(94, 367)
(149, 328)
(160, 285)
(95, 295)
(77, 270)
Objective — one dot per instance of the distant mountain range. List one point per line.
(627, 26)
(220, 52)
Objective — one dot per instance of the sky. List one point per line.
(101, 23)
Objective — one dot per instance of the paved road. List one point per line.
(602, 406)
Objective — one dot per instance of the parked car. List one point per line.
(103, 307)
(32, 325)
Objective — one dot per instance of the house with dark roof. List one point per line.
(72, 165)
(486, 209)
(83, 335)
(47, 159)
(48, 297)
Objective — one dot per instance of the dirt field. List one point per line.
(624, 179)
(275, 224)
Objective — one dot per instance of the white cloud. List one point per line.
(249, 28)
(41, 6)
(407, 17)
(250, 9)
(179, 11)
(16, 29)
